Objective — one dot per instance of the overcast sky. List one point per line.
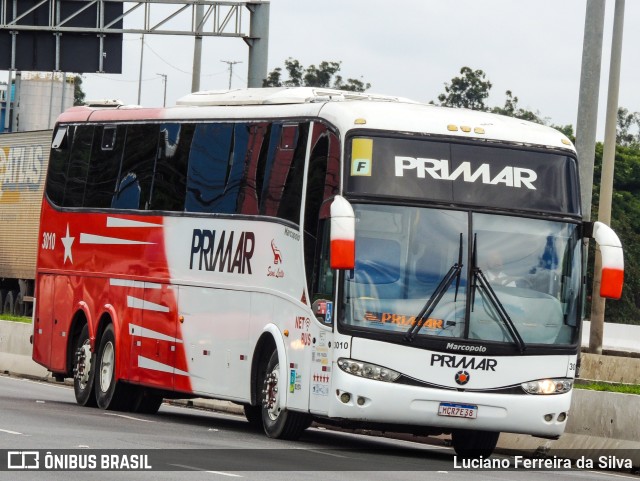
(407, 47)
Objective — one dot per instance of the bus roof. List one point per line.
(346, 110)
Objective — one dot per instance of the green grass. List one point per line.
(9, 317)
(609, 387)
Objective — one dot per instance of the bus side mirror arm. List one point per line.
(343, 234)
(612, 258)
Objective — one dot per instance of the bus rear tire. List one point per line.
(110, 393)
(473, 444)
(279, 423)
(84, 370)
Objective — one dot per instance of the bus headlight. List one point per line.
(368, 371)
(548, 386)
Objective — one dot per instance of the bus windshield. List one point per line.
(403, 253)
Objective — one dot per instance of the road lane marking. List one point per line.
(221, 473)
(41, 383)
(11, 432)
(326, 454)
(130, 417)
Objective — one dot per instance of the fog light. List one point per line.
(345, 397)
(548, 417)
(360, 401)
(562, 417)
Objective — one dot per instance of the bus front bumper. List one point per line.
(363, 400)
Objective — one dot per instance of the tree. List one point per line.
(324, 75)
(470, 90)
(78, 93)
(566, 130)
(511, 109)
(625, 123)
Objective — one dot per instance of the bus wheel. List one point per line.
(473, 444)
(84, 370)
(277, 422)
(110, 394)
(146, 401)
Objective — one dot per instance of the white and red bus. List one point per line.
(315, 254)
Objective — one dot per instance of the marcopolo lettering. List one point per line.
(465, 347)
(440, 169)
(224, 253)
(448, 360)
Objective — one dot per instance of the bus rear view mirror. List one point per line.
(612, 261)
(343, 234)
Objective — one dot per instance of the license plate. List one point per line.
(456, 410)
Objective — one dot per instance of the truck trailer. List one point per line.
(24, 157)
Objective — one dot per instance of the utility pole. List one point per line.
(231, 63)
(164, 81)
(586, 124)
(258, 41)
(140, 71)
(197, 46)
(606, 181)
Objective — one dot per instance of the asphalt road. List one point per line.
(185, 443)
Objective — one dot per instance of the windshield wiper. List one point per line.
(438, 293)
(478, 276)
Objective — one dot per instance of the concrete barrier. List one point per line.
(15, 350)
(598, 421)
(615, 337)
(610, 368)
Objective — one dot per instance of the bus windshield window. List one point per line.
(533, 267)
(403, 253)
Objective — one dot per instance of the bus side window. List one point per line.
(170, 173)
(59, 163)
(251, 183)
(289, 207)
(282, 188)
(106, 156)
(235, 170)
(136, 171)
(209, 167)
(78, 166)
(323, 180)
(322, 282)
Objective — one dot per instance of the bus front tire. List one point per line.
(110, 394)
(84, 370)
(473, 444)
(279, 422)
